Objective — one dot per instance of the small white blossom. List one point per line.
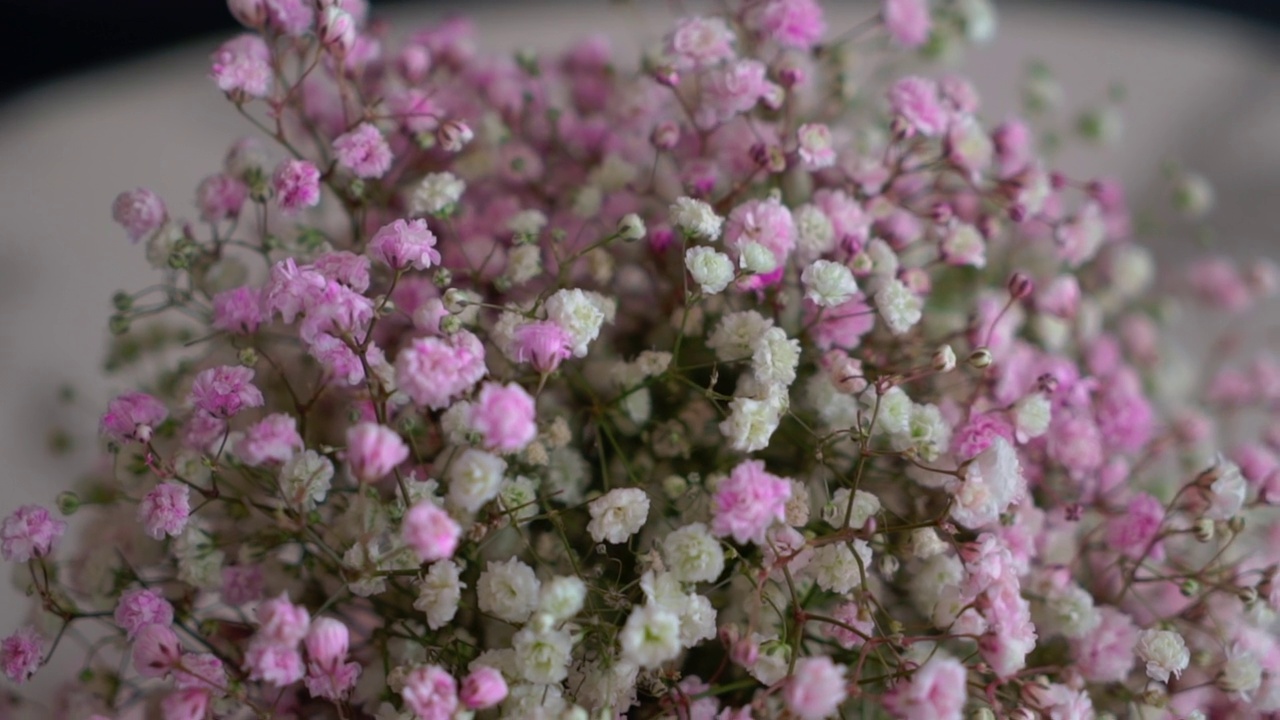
(1241, 673)
(508, 590)
(305, 479)
(757, 259)
(925, 543)
(474, 478)
(865, 506)
(631, 227)
(588, 201)
(438, 594)
(736, 335)
(892, 412)
(751, 422)
(524, 263)
(696, 219)
(651, 636)
(618, 515)
(815, 236)
(900, 308)
(579, 314)
(774, 358)
(828, 284)
(527, 223)
(835, 568)
(518, 496)
(712, 270)
(1031, 416)
(884, 261)
(692, 554)
(1071, 612)
(562, 597)
(1226, 492)
(542, 657)
(437, 193)
(1164, 652)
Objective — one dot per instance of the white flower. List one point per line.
(712, 270)
(508, 590)
(964, 245)
(893, 412)
(865, 506)
(751, 422)
(736, 335)
(697, 617)
(758, 259)
(1164, 652)
(562, 597)
(524, 263)
(587, 201)
(618, 515)
(475, 477)
(579, 314)
(631, 227)
(542, 657)
(1226, 493)
(438, 593)
(928, 433)
(696, 219)
(815, 146)
(651, 636)
(992, 482)
(827, 283)
(519, 497)
(900, 308)
(884, 261)
(1031, 416)
(772, 662)
(652, 363)
(527, 701)
(437, 193)
(979, 19)
(305, 479)
(527, 223)
(835, 568)
(774, 358)
(693, 554)
(925, 543)
(815, 235)
(1241, 673)
(1071, 612)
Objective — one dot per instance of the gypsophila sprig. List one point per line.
(714, 384)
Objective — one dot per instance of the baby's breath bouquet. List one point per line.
(761, 377)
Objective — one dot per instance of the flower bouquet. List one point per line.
(760, 377)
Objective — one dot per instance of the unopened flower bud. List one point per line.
(454, 135)
(665, 135)
(666, 75)
(1193, 195)
(941, 213)
(861, 264)
(250, 13)
(888, 565)
(337, 30)
(631, 227)
(1155, 697)
(68, 502)
(675, 486)
(1247, 595)
(1189, 587)
(980, 358)
(1020, 286)
(122, 301)
(118, 324)
(450, 324)
(442, 278)
(1204, 530)
(944, 359)
(248, 357)
(1236, 524)
(455, 300)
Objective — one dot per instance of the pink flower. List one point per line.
(291, 17)
(430, 531)
(433, 371)
(543, 344)
(815, 146)
(29, 532)
(1133, 530)
(816, 688)
(21, 654)
(915, 102)
(841, 326)
(224, 391)
(140, 607)
(1076, 443)
(156, 650)
(505, 417)
(790, 23)
(935, 691)
(431, 692)
(274, 439)
(132, 416)
(731, 90)
(766, 222)
(243, 65)
(241, 584)
(748, 502)
(291, 290)
(333, 685)
(327, 644)
(238, 310)
(201, 671)
(373, 451)
(273, 663)
(165, 509)
(853, 615)
(978, 434)
(220, 197)
(700, 42)
(363, 151)
(1106, 653)
(280, 622)
(404, 244)
(189, 704)
(1220, 284)
(483, 688)
(345, 268)
(141, 212)
(296, 184)
(907, 21)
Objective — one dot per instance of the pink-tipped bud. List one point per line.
(745, 652)
(483, 688)
(665, 135)
(156, 650)
(666, 75)
(454, 135)
(1017, 213)
(337, 30)
(414, 63)
(327, 642)
(1057, 180)
(941, 213)
(250, 13)
(1047, 384)
(791, 77)
(1021, 286)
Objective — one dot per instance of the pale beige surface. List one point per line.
(1204, 89)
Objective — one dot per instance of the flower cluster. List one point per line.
(745, 381)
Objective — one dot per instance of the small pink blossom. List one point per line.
(505, 417)
(280, 622)
(815, 146)
(243, 65)
(141, 212)
(327, 643)
(853, 616)
(430, 532)
(404, 244)
(224, 391)
(700, 42)
(433, 371)
(30, 532)
(431, 693)
(164, 510)
(907, 21)
(543, 344)
(978, 433)
(1218, 282)
(333, 685)
(363, 151)
(189, 704)
(373, 451)
(296, 184)
(21, 654)
(816, 688)
(132, 416)
(1106, 654)
(345, 268)
(291, 17)
(273, 663)
(798, 24)
(156, 650)
(274, 439)
(915, 101)
(220, 197)
(937, 690)
(1076, 443)
(241, 584)
(766, 222)
(731, 90)
(747, 502)
(140, 607)
(238, 310)
(483, 688)
(201, 671)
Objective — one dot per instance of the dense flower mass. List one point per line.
(766, 376)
